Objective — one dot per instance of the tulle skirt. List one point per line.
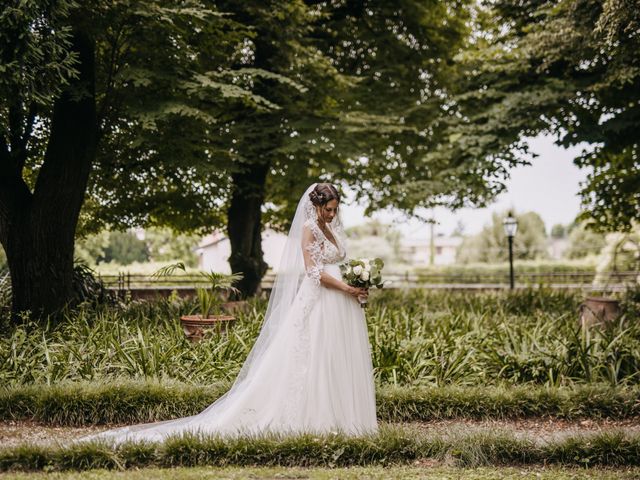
(316, 377)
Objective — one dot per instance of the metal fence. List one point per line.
(467, 280)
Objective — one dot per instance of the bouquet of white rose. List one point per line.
(363, 273)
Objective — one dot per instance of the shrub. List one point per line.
(418, 338)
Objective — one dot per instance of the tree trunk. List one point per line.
(37, 229)
(245, 227)
(244, 217)
(40, 262)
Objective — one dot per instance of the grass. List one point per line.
(436, 356)
(353, 473)
(125, 402)
(91, 403)
(401, 404)
(392, 446)
(418, 338)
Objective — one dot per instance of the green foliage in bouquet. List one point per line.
(363, 272)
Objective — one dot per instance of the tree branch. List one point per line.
(62, 181)
(21, 154)
(115, 65)
(15, 127)
(5, 157)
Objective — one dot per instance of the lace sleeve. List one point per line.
(312, 252)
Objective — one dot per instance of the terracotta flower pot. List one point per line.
(599, 310)
(194, 326)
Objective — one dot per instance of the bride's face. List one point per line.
(328, 211)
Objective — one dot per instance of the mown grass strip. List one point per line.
(79, 404)
(401, 404)
(392, 446)
(93, 403)
(403, 472)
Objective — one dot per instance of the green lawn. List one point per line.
(439, 473)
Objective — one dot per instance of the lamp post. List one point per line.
(510, 225)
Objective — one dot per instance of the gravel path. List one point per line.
(13, 433)
(540, 430)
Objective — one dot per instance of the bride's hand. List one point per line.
(356, 292)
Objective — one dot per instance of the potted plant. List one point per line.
(605, 306)
(212, 307)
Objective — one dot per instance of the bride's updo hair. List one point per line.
(323, 193)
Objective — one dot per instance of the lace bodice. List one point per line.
(318, 250)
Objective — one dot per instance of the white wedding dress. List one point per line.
(310, 370)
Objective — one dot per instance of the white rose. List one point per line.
(365, 276)
(357, 269)
(367, 267)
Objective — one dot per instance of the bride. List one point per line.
(310, 369)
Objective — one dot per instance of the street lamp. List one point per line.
(510, 225)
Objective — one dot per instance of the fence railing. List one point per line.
(609, 280)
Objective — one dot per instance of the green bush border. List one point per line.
(78, 404)
(392, 446)
(88, 403)
(403, 404)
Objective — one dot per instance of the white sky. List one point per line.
(549, 186)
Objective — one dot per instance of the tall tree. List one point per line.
(37, 226)
(105, 81)
(208, 169)
(396, 121)
(357, 93)
(592, 47)
(281, 45)
(376, 76)
(569, 69)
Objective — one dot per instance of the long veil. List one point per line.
(286, 284)
(289, 278)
